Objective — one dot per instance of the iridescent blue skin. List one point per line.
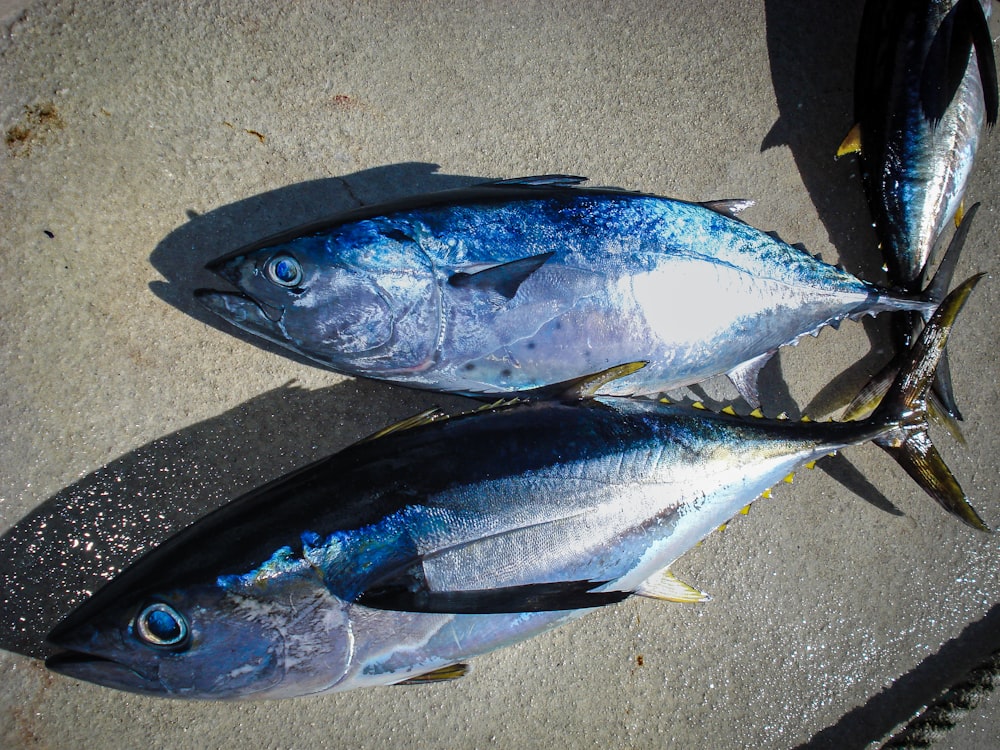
(599, 278)
(920, 126)
(266, 597)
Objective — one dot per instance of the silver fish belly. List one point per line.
(515, 286)
(427, 545)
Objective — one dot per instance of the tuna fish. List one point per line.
(514, 286)
(407, 554)
(925, 81)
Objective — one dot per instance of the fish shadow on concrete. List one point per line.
(86, 534)
(79, 539)
(811, 49)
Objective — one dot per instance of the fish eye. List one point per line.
(284, 270)
(160, 624)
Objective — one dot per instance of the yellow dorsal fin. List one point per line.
(424, 417)
(443, 674)
(669, 588)
(851, 143)
(728, 409)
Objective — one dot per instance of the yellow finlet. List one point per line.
(960, 213)
(728, 409)
(698, 405)
(757, 413)
(745, 509)
(443, 674)
(805, 418)
(665, 400)
(811, 465)
(669, 588)
(790, 478)
(766, 494)
(783, 415)
(851, 143)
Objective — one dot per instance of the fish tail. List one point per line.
(931, 297)
(903, 412)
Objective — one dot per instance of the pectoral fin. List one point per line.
(533, 597)
(504, 279)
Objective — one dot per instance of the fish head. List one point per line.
(208, 641)
(358, 298)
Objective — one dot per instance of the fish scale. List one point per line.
(445, 538)
(510, 288)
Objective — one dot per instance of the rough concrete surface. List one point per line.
(146, 137)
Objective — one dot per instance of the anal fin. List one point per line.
(669, 588)
(744, 377)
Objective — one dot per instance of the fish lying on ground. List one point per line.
(925, 81)
(514, 286)
(438, 540)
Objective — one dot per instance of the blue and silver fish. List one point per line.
(517, 285)
(407, 554)
(925, 81)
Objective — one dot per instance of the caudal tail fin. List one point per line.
(946, 409)
(904, 411)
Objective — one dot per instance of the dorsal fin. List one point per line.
(540, 180)
(424, 417)
(730, 207)
(851, 143)
(504, 279)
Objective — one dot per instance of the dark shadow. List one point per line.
(811, 49)
(181, 257)
(842, 388)
(899, 702)
(76, 541)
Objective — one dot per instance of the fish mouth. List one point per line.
(102, 671)
(240, 309)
